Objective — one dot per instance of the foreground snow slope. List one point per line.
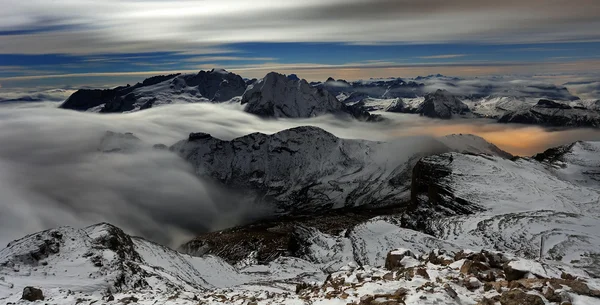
(102, 260)
(424, 276)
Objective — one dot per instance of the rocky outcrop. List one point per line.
(206, 86)
(396, 106)
(32, 294)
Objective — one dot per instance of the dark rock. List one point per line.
(396, 106)
(552, 104)
(160, 147)
(441, 104)
(198, 136)
(129, 299)
(512, 274)
(518, 297)
(392, 261)
(32, 294)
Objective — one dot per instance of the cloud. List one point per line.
(443, 56)
(100, 27)
(52, 174)
(227, 58)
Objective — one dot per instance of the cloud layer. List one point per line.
(99, 27)
(52, 174)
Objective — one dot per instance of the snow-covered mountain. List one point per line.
(509, 205)
(308, 169)
(206, 86)
(102, 265)
(441, 104)
(475, 198)
(551, 113)
(375, 88)
(280, 96)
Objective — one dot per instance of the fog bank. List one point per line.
(52, 174)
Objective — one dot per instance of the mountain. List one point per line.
(103, 265)
(508, 205)
(442, 104)
(375, 88)
(308, 169)
(206, 86)
(279, 96)
(101, 262)
(411, 253)
(551, 113)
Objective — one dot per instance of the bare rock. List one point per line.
(394, 258)
(518, 297)
(32, 294)
(512, 274)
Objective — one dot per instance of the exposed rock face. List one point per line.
(510, 203)
(396, 106)
(551, 113)
(279, 96)
(118, 142)
(85, 99)
(301, 169)
(394, 258)
(441, 104)
(32, 294)
(206, 86)
(375, 88)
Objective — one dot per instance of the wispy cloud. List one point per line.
(444, 56)
(227, 58)
(197, 27)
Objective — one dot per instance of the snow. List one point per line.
(521, 201)
(278, 96)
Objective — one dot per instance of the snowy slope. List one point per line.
(490, 202)
(497, 106)
(432, 276)
(551, 113)
(206, 86)
(101, 260)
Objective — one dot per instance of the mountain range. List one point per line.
(277, 95)
(445, 220)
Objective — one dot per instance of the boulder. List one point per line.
(394, 258)
(512, 274)
(32, 294)
(518, 297)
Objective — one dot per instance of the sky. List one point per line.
(79, 43)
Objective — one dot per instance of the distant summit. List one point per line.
(216, 85)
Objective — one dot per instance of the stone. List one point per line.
(451, 292)
(512, 274)
(472, 283)
(518, 297)
(32, 294)
(472, 267)
(486, 301)
(422, 272)
(394, 258)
